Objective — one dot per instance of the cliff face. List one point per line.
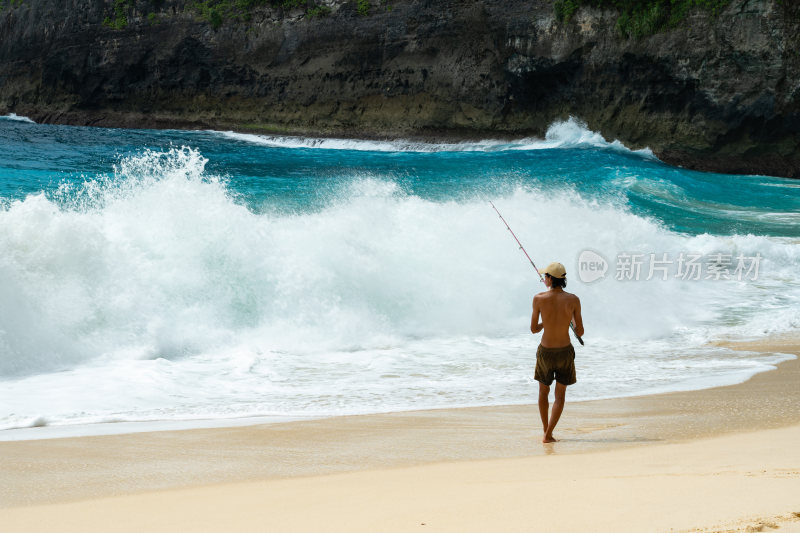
(718, 93)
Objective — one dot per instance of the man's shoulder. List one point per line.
(572, 295)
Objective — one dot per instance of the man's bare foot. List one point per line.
(549, 439)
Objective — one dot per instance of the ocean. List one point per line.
(176, 278)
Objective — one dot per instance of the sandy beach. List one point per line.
(722, 459)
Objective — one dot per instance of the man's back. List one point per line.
(557, 309)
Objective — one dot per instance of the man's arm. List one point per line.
(578, 318)
(536, 326)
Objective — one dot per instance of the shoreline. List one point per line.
(431, 135)
(632, 465)
(126, 427)
(54, 471)
(136, 121)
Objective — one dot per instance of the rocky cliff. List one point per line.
(719, 92)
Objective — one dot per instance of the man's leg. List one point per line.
(558, 407)
(544, 405)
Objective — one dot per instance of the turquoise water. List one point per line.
(176, 275)
(266, 175)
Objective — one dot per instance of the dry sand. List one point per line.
(723, 459)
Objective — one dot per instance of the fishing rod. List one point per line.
(571, 326)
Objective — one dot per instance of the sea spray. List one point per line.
(17, 118)
(165, 290)
(570, 133)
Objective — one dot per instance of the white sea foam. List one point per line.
(156, 295)
(571, 133)
(16, 118)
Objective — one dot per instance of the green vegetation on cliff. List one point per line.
(218, 11)
(215, 12)
(10, 3)
(639, 18)
(319, 11)
(120, 19)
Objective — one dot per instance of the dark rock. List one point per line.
(717, 93)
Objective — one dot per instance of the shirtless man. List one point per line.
(555, 358)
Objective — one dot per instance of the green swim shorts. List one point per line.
(555, 363)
